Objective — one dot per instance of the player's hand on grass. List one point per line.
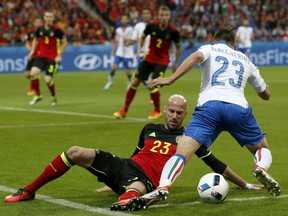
(253, 187)
(103, 189)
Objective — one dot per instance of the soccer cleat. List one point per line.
(107, 86)
(35, 100)
(30, 92)
(120, 114)
(154, 115)
(270, 184)
(53, 101)
(133, 204)
(21, 195)
(150, 198)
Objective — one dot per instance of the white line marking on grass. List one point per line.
(68, 113)
(63, 124)
(227, 200)
(70, 204)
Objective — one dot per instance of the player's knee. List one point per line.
(48, 79)
(135, 83)
(74, 153)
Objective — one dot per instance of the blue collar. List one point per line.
(224, 42)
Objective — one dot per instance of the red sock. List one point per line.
(131, 193)
(51, 87)
(129, 97)
(54, 170)
(31, 84)
(35, 86)
(156, 100)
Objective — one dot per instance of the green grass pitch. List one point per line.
(30, 137)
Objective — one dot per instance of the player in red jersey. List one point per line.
(163, 35)
(51, 43)
(135, 176)
(28, 43)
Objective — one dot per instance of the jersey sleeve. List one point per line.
(37, 33)
(140, 142)
(117, 34)
(147, 30)
(209, 159)
(135, 34)
(256, 80)
(206, 51)
(60, 34)
(176, 37)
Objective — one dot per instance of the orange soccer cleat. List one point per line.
(120, 114)
(30, 92)
(21, 195)
(154, 115)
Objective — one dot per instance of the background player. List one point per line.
(123, 53)
(135, 176)
(28, 43)
(49, 55)
(162, 34)
(244, 36)
(138, 32)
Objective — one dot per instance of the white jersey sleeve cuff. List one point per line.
(261, 88)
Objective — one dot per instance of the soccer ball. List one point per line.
(213, 188)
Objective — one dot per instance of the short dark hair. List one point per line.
(225, 32)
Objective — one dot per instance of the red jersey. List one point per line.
(48, 41)
(160, 42)
(157, 145)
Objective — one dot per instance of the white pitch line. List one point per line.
(108, 212)
(68, 113)
(227, 200)
(62, 202)
(63, 124)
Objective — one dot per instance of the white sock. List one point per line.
(172, 170)
(111, 77)
(263, 158)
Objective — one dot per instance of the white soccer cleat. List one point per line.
(143, 202)
(270, 184)
(107, 86)
(35, 100)
(148, 199)
(53, 101)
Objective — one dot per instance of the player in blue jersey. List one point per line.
(221, 106)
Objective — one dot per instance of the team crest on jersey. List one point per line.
(177, 139)
(41, 33)
(167, 37)
(51, 34)
(153, 134)
(153, 33)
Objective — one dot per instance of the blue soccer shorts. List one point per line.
(127, 62)
(246, 51)
(210, 119)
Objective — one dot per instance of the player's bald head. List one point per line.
(175, 112)
(177, 100)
